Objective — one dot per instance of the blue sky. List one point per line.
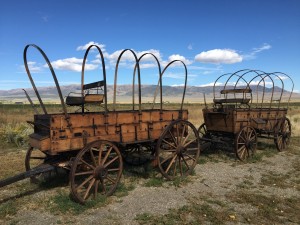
(212, 37)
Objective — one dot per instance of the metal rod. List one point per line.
(31, 103)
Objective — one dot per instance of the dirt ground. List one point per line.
(265, 190)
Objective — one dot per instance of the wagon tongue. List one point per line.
(43, 168)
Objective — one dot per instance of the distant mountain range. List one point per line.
(147, 90)
(125, 91)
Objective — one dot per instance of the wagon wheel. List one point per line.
(202, 130)
(203, 133)
(96, 169)
(137, 154)
(34, 158)
(282, 138)
(245, 143)
(178, 149)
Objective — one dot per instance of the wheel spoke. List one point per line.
(186, 138)
(111, 161)
(183, 131)
(186, 163)
(93, 157)
(111, 180)
(173, 138)
(113, 169)
(100, 155)
(103, 186)
(84, 182)
(192, 158)
(241, 137)
(89, 188)
(249, 134)
(170, 164)
(167, 158)
(84, 173)
(87, 164)
(191, 141)
(107, 154)
(96, 188)
(177, 130)
(243, 152)
(168, 143)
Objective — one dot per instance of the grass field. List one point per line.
(13, 117)
(227, 201)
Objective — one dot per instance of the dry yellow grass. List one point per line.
(14, 114)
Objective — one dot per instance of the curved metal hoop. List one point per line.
(185, 83)
(103, 73)
(159, 82)
(53, 75)
(116, 77)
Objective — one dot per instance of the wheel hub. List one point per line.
(179, 150)
(100, 173)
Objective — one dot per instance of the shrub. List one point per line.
(15, 133)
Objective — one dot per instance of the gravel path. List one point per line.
(215, 180)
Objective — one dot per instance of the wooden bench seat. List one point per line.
(236, 90)
(88, 98)
(232, 100)
(75, 99)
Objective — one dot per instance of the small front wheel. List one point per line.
(96, 169)
(245, 143)
(178, 149)
(282, 138)
(35, 158)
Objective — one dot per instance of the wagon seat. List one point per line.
(235, 100)
(91, 95)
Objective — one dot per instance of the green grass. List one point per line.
(193, 213)
(269, 209)
(62, 204)
(154, 182)
(8, 209)
(124, 189)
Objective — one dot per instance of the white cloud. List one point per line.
(282, 77)
(130, 57)
(219, 56)
(252, 55)
(180, 57)
(174, 75)
(72, 64)
(190, 47)
(211, 84)
(264, 47)
(261, 82)
(85, 47)
(177, 85)
(33, 67)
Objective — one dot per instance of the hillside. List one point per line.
(124, 92)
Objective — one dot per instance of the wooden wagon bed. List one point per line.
(123, 127)
(232, 120)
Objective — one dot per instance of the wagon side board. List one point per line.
(122, 127)
(232, 120)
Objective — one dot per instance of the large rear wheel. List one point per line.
(178, 149)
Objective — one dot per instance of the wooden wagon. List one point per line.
(92, 145)
(238, 116)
